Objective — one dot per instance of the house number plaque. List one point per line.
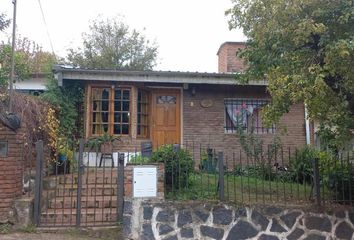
(206, 103)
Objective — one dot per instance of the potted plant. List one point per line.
(65, 156)
(103, 143)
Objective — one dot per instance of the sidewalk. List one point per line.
(71, 234)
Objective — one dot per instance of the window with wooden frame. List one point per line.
(143, 114)
(110, 111)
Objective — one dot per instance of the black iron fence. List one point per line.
(78, 188)
(264, 176)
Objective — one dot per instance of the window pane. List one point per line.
(101, 117)
(125, 106)
(117, 117)
(117, 129)
(105, 106)
(100, 93)
(142, 116)
(105, 94)
(99, 128)
(118, 94)
(104, 116)
(96, 105)
(125, 94)
(166, 100)
(125, 129)
(117, 106)
(125, 117)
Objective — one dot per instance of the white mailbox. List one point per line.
(144, 181)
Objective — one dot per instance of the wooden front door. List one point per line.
(166, 122)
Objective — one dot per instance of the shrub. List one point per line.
(337, 175)
(301, 164)
(139, 159)
(178, 165)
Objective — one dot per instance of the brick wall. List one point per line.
(11, 170)
(128, 180)
(227, 59)
(204, 126)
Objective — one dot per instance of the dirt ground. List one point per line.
(69, 234)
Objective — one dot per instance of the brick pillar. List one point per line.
(11, 170)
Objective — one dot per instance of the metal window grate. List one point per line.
(245, 114)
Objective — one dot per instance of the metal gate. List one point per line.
(85, 191)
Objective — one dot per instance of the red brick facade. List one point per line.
(128, 180)
(227, 58)
(205, 125)
(11, 169)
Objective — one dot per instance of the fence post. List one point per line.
(120, 187)
(38, 182)
(79, 182)
(316, 180)
(221, 176)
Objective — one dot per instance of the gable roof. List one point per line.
(69, 73)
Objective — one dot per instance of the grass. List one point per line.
(28, 229)
(243, 189)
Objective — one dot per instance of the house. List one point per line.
(189, 108)
(34, 85)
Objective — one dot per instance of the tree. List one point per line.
(110, 44)
(305, 49)
(4, 22)
(29, 59)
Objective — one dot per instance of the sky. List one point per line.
(188, 32)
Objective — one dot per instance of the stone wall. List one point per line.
(146, 219)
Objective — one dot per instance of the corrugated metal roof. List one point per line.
(70, 73)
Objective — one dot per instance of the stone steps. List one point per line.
(86, 190)
(67, 217)
(98, 199)
(89, 177)
(86, 202)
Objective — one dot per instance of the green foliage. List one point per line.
(209, 161)
(139, 159)
(254, 146)
(110, 44)
(5, 228)
(301, 164)
(305, 50)
(337, 175)
(29, 59)
(66, 100)
(28, 229)
(4, 22)
(178, 165)
(95, 143)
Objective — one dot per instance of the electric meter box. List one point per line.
(144, 182)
